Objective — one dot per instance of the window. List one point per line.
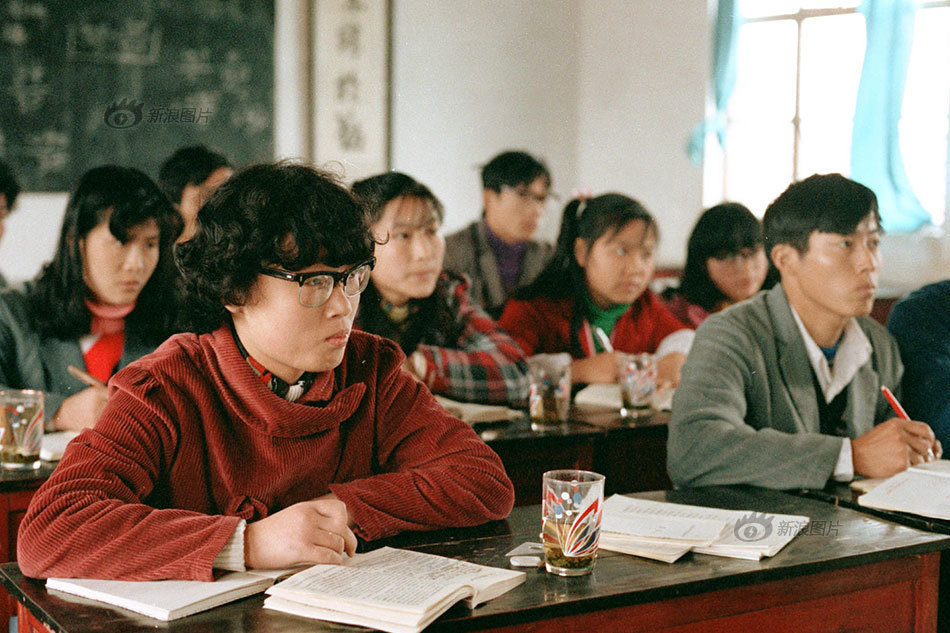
(798, 69)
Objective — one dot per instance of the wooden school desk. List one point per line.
(16, 489)
(842, 495)
(632, 455)
(865, 574)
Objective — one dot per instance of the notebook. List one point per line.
(170, 599)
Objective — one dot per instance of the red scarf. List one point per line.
(108, 322)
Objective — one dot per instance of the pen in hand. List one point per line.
(84, 377)
(603, 339)
(901, 413)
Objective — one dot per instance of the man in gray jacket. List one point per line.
(784, 390)
(498, 253)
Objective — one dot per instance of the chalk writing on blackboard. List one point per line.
(197, 71)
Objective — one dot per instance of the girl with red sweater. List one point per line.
(271, 433)
(598, 278)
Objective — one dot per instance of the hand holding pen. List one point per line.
(85, 377)
(81, 409)
(902, 414)
(891, 446)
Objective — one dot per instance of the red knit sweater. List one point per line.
(543, 326)
(191, 440)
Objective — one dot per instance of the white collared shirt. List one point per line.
(853, 352)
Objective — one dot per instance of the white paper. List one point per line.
(473, 413)
(164, 599)
(608, 396)
(54, 444)
(665, 552)
(915, 490)
(762, 534)
(643, 520)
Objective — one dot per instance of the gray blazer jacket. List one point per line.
(29, 361)
(468, 253)
(746, 411)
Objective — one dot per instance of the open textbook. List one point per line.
(393, 590)
(665, 531)
(923, 490)
(170, 599)
(474, 413)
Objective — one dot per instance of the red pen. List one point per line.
(898, 409)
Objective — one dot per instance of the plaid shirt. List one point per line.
(471, 359)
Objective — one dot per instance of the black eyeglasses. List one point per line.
(316, 288)
(530, 195)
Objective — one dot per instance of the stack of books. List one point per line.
(665, 531)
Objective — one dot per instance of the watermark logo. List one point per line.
(127, 113)
(123, 114)
(753, 527)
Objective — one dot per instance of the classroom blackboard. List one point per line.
(129, 81)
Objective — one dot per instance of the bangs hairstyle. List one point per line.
(433, 313)
(723, 230)
(376, 192)
(280, 214)
(125, 198)
(589, 220)
(827, 203)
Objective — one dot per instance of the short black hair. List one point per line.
(125, 198)
(723, 230)
(827, 203)
(513, 169)
(190, 165)
(9, 186)
(283, 214)
(376, 192)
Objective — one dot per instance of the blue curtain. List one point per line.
(875, 145)
(724, 79)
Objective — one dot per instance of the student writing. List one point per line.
(784, 390)
(270, 433)
(598, 278)
(103, 301)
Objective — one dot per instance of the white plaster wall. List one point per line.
(471, 79)
(643, 68)
(31, 234)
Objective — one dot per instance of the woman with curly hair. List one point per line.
(271, 433)
(452, 345)
(104, 300)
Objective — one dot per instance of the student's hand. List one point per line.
(599, 368)
(893, 446)
(306, 532)
(81, 410)
(669, 369)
